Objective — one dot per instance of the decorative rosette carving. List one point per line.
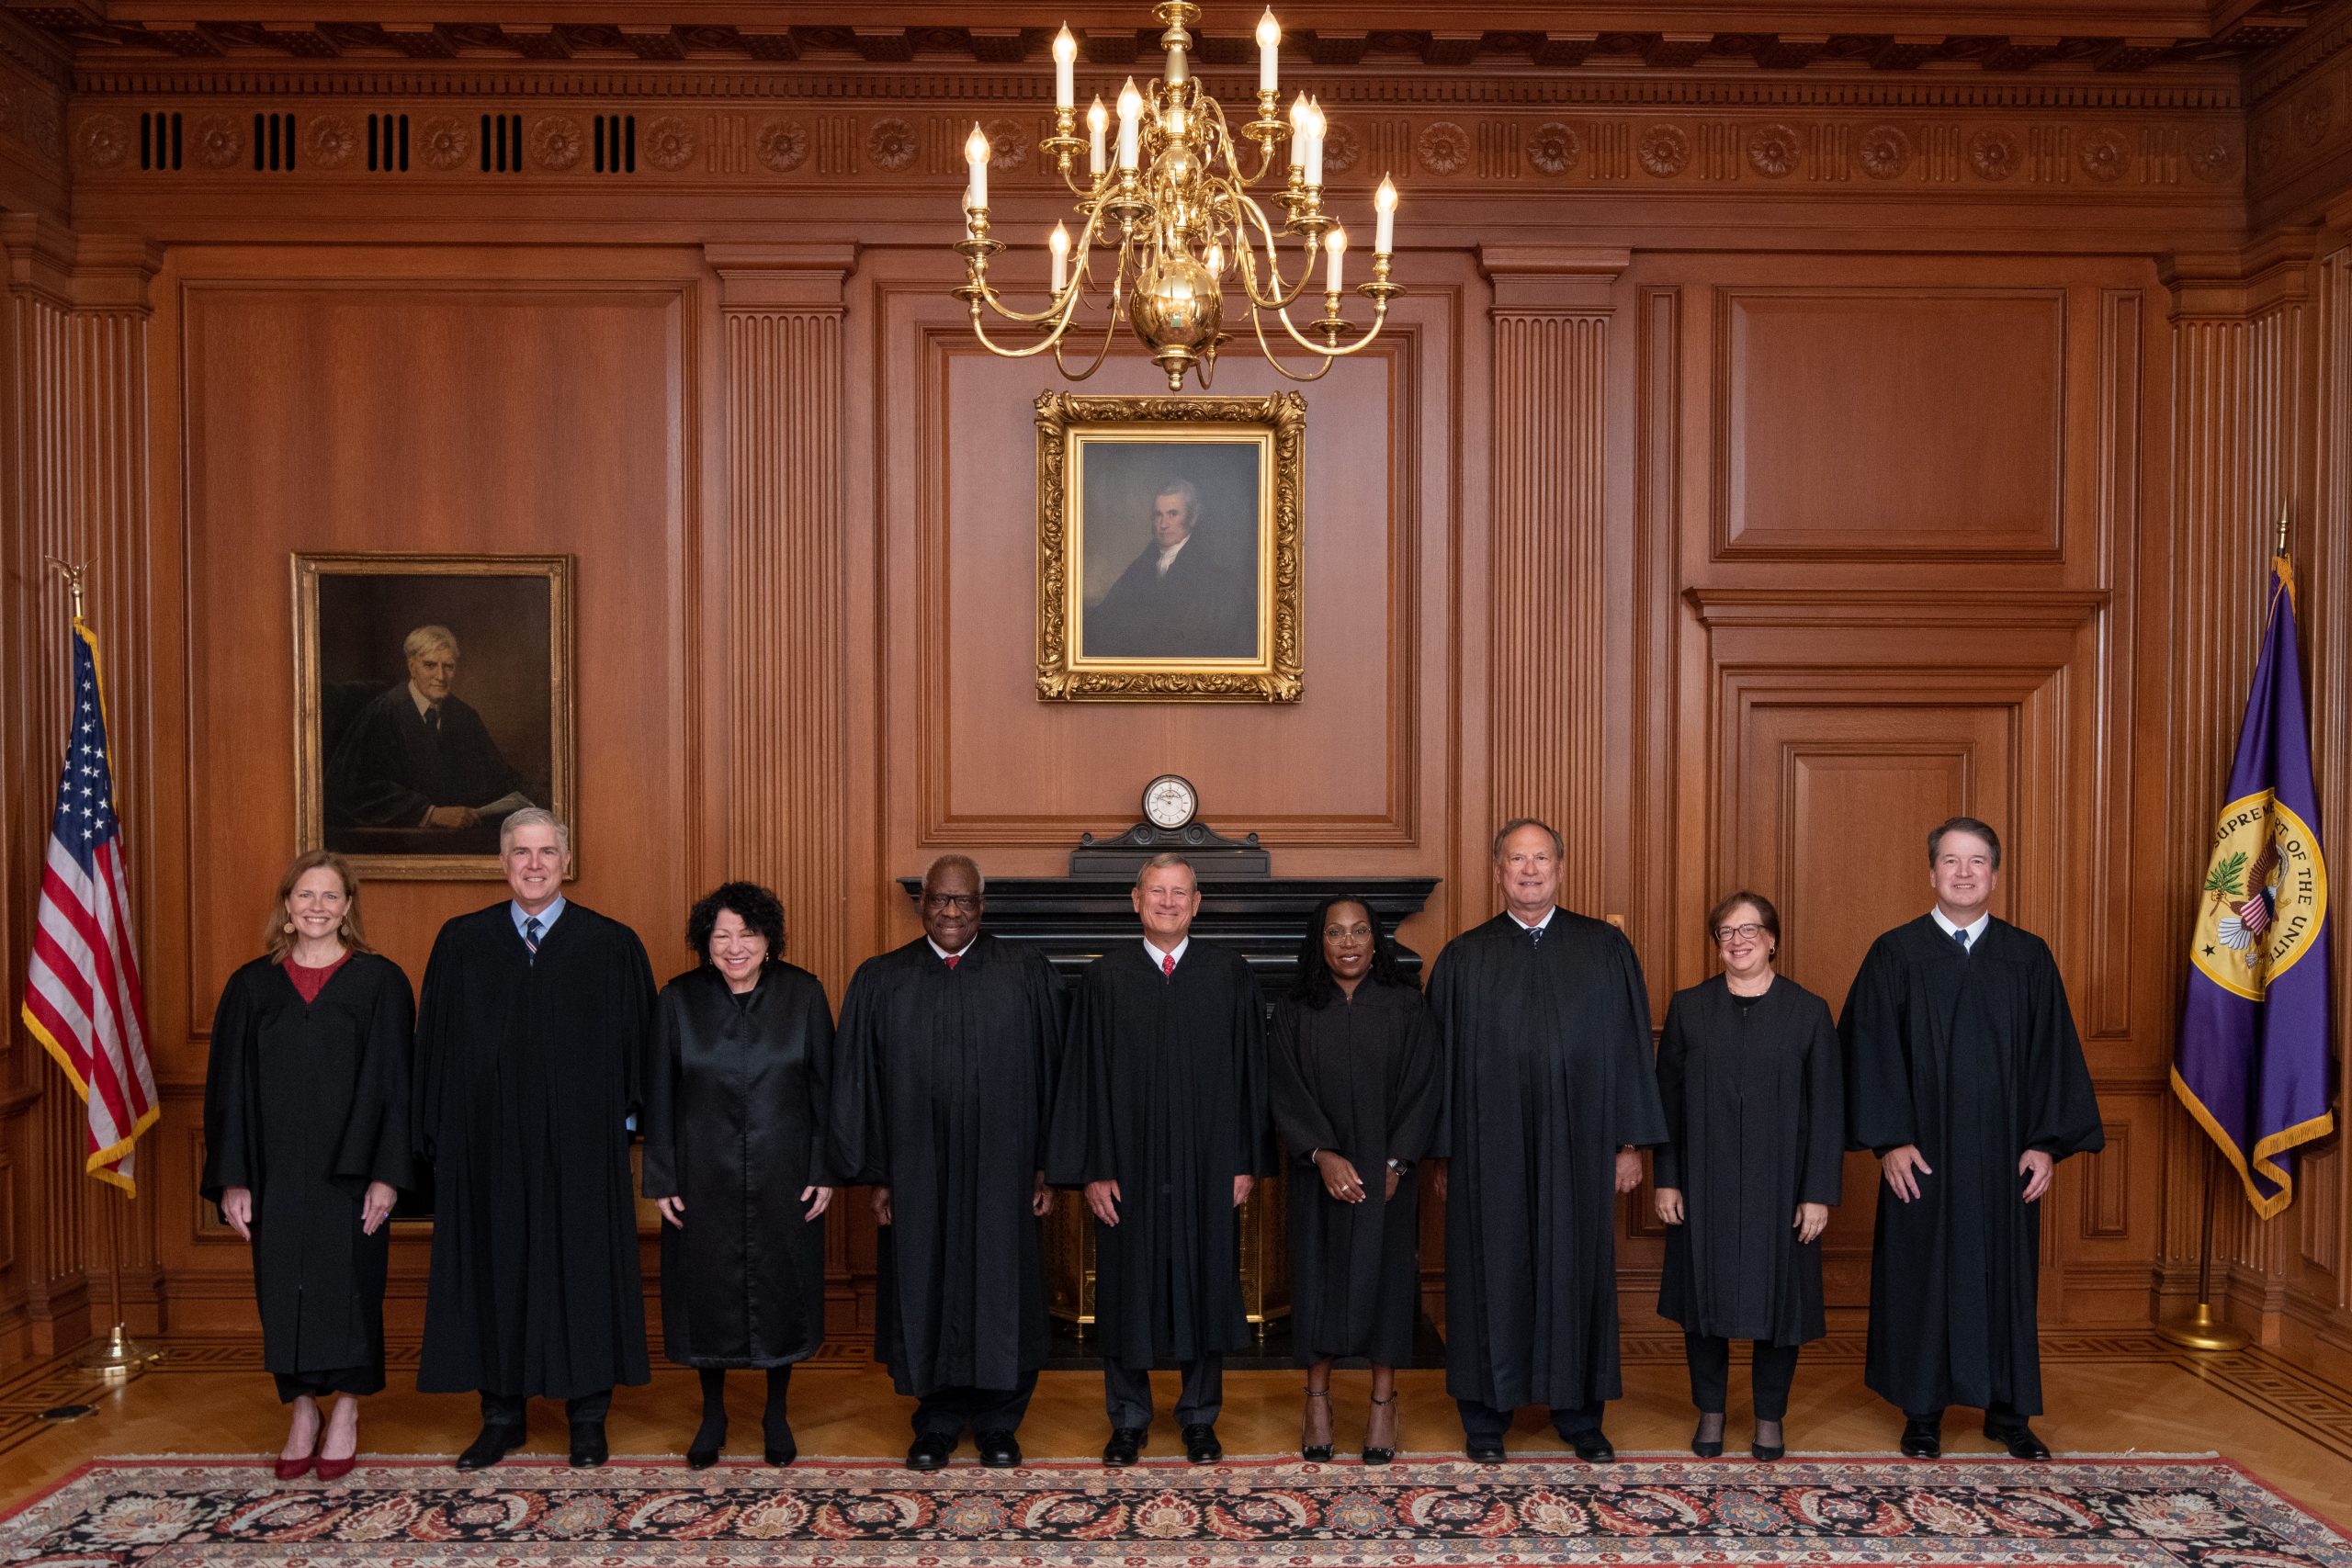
(2314, 115)
(331, 141)
(667, 142)
(891, 144)
(103, 142)
(1341, 147)
(1884, 152)
(1443, 148)
(442, 141)
(1994, 153)
(1008, 147)
(2104, 155)
(783, 145)
(1555, 148)
(556, 141)
(1774, 150)
(2211, 156)
(1664, 151)
(216, 142)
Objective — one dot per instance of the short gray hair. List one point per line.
(426, 638)
(1165, 858)
(1559, 851)
(956, 862)
(1191, 498)
(533, 816)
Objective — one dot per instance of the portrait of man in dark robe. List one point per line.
(419, 755)
(1186, 583)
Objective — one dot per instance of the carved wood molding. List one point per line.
(2049, 609)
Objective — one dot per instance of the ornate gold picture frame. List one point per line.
(433, 697)
(1168, 547)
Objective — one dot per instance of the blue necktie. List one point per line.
(1961, 937)
(531, 935)
(1534, 935)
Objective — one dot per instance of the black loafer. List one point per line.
(588, 1449)
(701, 1458)
(494, 1444)
(998, 1450)
(2018, 1440)
(929, 1452)
(1923, 1439)
(1126, 1444)
(1592, 1447)
(1484, 1450)
(1200, 1446)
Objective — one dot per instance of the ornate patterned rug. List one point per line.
(2171, 1513)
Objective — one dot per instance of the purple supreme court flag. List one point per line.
(2253, 1065)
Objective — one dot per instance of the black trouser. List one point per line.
(1126, 1392)
(1484, 1421)
(1771, 1369)
(508, 1409)
(292, 1386)
(945, 1412)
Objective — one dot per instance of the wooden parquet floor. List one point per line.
(2107, 1393)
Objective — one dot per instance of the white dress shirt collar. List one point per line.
(1158, 957)
(1543, 924)
(1975, 932)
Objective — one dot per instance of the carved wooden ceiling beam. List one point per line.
(105, 35)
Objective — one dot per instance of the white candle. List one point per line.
(1065, 70)
(1336, 243)
(1383, 201)
(976, 152)
(1130, 125)
(1315, 127)
(968, 205)
(1298, 131)
(1059, 242)
(1216, 261)
(1098, 120)
(1269, 50)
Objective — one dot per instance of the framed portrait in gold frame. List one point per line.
(1168, 547)
(433, 699)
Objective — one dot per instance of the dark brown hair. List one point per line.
(1964, 825)
(278, 941)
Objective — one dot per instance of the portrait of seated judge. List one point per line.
(436, 702)
(1173, 540)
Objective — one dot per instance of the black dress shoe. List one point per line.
(929, 1452)
(1200, 1446)
(588, 1449)
(783, 1455)
(1592, 1447)
(2018, 1440)
(1923, 1437)
(1766, 1453)
(1484, 1450)
(1125, 1443)
(998, 1450)
(1706, 1448)
(701, 1458)
(494, 1444)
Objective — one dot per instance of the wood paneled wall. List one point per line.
(1747, 481)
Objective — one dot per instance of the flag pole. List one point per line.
(2204, 1329)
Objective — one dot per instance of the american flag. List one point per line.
(82, 997)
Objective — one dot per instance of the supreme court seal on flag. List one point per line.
(2265, 888)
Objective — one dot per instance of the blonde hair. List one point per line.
(277, 939)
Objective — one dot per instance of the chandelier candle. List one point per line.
(1185, 204)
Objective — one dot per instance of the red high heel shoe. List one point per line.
(336, 1469)
(294, 1469)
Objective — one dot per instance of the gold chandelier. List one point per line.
(1167, 211)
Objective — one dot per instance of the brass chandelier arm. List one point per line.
(1278, 298)
(1257, 325)
(1379, 319)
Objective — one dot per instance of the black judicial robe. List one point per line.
(305, 1105)
(1972, 1056)
(1549, 1073)
(735, 1106)
(526, 1073)
(391, 767)
(1197, 608)
(1755, 1125)
(1359, 1076)
(1163, 1090)
(942, 1086)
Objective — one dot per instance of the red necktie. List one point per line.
(954, 959)
(1168, 963)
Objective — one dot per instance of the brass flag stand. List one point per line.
(2203, 1329)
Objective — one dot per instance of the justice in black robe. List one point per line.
(1163, 1090)
(304, 1105)
(1972, 1056)
(943, 1083)
(1197, 608)
(1358, 1078)
(1549, 1073)
(1755, 1125)
(734, 1122)
(390, 768)
(527, 1074)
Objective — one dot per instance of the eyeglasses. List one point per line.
(1744, 933)
(1336, 933)
(962, 903)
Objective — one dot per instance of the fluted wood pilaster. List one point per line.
(783, 307)
(1554, 307)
